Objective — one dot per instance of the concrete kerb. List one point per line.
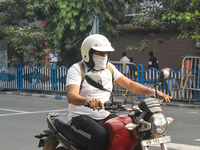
(173, 103)
(59, 97)
(182, 105)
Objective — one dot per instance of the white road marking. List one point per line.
(177, 146)
(13, 110)
(174, 146)
(192, 112)
(24, 112)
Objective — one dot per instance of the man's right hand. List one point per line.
(96, 103)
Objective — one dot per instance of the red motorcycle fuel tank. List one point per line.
(119, 138)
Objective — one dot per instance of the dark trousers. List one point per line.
(90, 132)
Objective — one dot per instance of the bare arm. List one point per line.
(138, 88)
(76, 99)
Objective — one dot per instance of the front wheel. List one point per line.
(51, 144)
(138, 147)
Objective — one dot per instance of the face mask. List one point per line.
(100, 62)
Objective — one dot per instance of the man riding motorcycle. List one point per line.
(87, 122)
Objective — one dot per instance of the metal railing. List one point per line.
(34, 78)
(190, 77)
(130, 71)
(173, 85)
(54, 79)
(48, 78)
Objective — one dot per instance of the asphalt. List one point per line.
(62, 96)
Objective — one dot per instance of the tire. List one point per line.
(138, 147)
(50, 144)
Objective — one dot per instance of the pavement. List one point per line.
(62, 96)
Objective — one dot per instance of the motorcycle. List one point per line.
(143, 126)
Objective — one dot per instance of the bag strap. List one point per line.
(110, 69)
(82, 68)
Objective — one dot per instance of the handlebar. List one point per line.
(109, 106)
(106, 104)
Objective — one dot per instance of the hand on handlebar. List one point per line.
(96, 103)
(165, 96)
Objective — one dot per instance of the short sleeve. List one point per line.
(116, 72)
(74, 75)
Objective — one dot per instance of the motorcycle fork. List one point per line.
(146, 148)
(163, 146)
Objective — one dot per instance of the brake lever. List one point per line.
(161, 101)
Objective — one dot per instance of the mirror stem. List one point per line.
(156, 92)
(112, 95)
(156, 89)
(112, 99)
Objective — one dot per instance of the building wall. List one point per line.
(3, 53)
(169, 53)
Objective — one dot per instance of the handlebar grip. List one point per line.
(108, 106)
(87, 105)
(97, 108)
(105, 104)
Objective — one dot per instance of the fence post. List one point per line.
(196, 80)
(52, 77)
(18, 77)
(55, 77)
(21, 77)
(141, 74)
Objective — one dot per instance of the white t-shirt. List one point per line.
(74, 77)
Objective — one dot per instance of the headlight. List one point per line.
(159, 124)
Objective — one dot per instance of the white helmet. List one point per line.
(96, 42)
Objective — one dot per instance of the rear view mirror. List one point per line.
(164, 74)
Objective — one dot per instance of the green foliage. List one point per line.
(31, 42)
(67, 24)
(171, 16)
(18, 29)
(144, 44)
(14, 61)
